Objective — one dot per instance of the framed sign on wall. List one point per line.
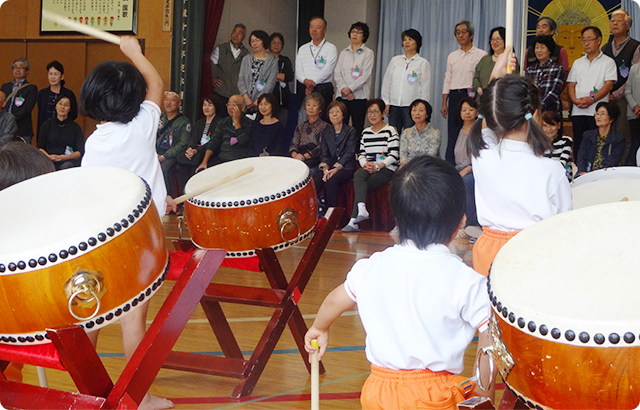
(116, 16)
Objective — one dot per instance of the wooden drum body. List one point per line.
(273, 206)
(81, 246)
(565, 328)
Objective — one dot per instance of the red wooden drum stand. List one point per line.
(71, 350)
(283, 297)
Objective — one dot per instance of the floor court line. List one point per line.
(259, 318)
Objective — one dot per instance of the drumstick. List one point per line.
(82, 28)
(509, 33)
(315, 377)
(213, 185)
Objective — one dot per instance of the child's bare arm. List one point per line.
(333, 306)
(483, 340)
(131, 48)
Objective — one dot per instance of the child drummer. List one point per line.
(419, 304)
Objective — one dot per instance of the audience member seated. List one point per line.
(305, 144)
(562, 145)
(379, 157)
(338, 158)
(408, 77)
(602, 147)
(19, 162)
(547, 74)
(230, 140)
(60, 138)
(48, 96)
(8, 125)
(422, 138)
(267, 132)
(174, 131)
(258, 71)
(201, 132)
(284, 77)
(468, 114)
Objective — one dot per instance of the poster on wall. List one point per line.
(572, 16)
(116, 16)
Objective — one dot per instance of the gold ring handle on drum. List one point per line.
(487, 351)
(85, 288)
(287, 220)
(77, 293)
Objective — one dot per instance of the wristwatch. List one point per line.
(594, 98)
(377, 168)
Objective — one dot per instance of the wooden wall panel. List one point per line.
(9, 52)
(13, 19)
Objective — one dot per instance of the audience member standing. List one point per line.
(632, 94)
(547, 75)
(408, 78)
(590, 80)
(458, 80)
(547, 27)
(625, 51)
(284, 77)
(21, 97)
(258, 71)
(226, 59)
(316, 62)
(47, 96)
(353, 76)
(486, 63)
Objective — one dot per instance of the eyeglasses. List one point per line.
(19, 67)
(461, 32)
(495, 40)
(373, 112)
(231, 104)
(588, 40)
(616, 21)
(357, 32)
(601, 114)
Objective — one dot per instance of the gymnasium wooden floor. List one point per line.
(285, 381)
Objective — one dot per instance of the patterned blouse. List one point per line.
(414, 143)
(256, 66)
(307, 138)
(549, 78)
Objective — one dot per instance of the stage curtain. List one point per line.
(213, 14)
(631, 7)
(438, 40)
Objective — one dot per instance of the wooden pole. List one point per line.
(509, 31)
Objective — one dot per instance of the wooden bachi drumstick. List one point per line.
(509, 33)
(82, 28)
(213, 185)
(315, 377)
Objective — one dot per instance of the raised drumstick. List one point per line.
(213, 185)
(82, 28)
(315, 377)
(509, 32)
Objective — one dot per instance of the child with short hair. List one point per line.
(125, 100)
(516, 186)
(419, 304)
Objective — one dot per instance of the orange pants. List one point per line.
(414, 389)
(13, 372)
(487, 246)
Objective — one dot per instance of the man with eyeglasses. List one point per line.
(547, 26)
(173, 136)
(21, 98)
(590, 81)
(625, 51)
(458, 81)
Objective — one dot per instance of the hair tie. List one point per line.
(480, 116)
(528, 116)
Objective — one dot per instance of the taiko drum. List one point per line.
(81, 246)
(565, 327)
(274, 206)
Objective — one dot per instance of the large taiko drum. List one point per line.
(605, 186)
(565, 327)
(274, 206)
(81, 246)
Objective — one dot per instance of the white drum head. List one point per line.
(604, 191)
(607, 173)
(573, 278)
(52, 212)
(270, 176)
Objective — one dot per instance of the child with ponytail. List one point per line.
(516, 185)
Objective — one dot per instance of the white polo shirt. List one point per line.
(590, 76)
(419, 308)
(354, 70)
(514, 188)
(316, 63)
(406, 80)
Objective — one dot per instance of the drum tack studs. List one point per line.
(555, 333)
(236, 203)
(90, 325)
(42, 260)
(102, 237)
(512, 317)
(614, 338)
(110, 232)
(598, 338)
(569, 335)
(83, 246)
(521, 322)
(117, 227)
(241, 203)
(63, 254)
(584, 337)
(22, 339)
(73, 250)
(629, 337)
(92, 241)
(22, 265)
(118, 312)
(544, 330)
(39, 337)
(33, 263)
(131, 219)
(53, 257)
(499, 306)
(135, 214)
(2, 268)
(12, 267)
(124, 223)
(109, 316)
(532, 327)
(100, 320)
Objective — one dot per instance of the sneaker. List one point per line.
(350, 228)
(361, 218)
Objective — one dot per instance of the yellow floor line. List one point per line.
(259, 318)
